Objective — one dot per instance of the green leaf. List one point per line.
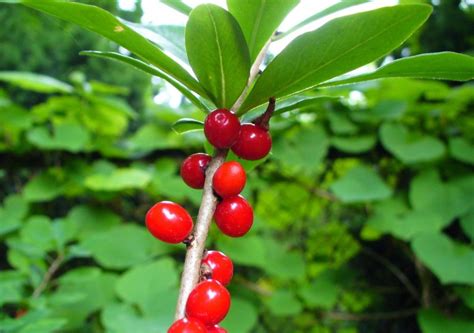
(185, 125)
(429, 193)
(302, 150)
(355, 144)
(432, 321)
(140, 65)
(123, 318)
(410, 147)
(259, 19)
(360, 184)
(283, 303)
(43, 187)
(81, 292)
(12, 213)
(90, 220)
(67, 136)
(325, 12)
(117, 180)
(217, 53)
(462, 150)
(282, 263)
(338, 47)
(322, 292)
(38, 231)
(242, 316)
(249, 250)
(121, 246)
(467, 224)
(304, 102)
(438, 66)
(11, 286)
(178, 5)
(146, 282)
(450, 261)
(102, 22)
(35, 82)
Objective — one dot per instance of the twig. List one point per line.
(192, 264)
(395, 271)
(370, 316)
(48, 276)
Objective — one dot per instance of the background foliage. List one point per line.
(364, 211)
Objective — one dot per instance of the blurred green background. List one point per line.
(364, 210)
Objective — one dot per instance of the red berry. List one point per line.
(229, 179)
(216, 329)
(234, 216)
(169, 222)
(221, 128)
(193, 170)
(221, 266)
(209, 302)
(186, 325)
(254, 142)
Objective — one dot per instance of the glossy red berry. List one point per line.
(234, 216)
(254, 142)
(229, 179)
(209, 302)
(186, 325)
(221, 128)
(169, 222)
(193, 170)
(216, 329)
(221, 266)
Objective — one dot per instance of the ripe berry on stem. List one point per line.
(222, 268)
(222, 128)
(186, 325)
(216, 329)
(254, 142)
(169, 222)
(209, 302)
(229, 179)
(193, 170)
(234, 216)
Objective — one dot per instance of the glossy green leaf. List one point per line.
(450, 261)
(336, 48)
(432, 321)
(102, 22)
(360, 184)
(35, 82)
(121, 246)
(217, 53)
(462, 150)
(439, 66)
(325, 12)
(259, 19)
(305, 103)
(410, 147)
(138, 64)
(187, 125)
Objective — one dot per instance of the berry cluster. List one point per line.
(209, 301)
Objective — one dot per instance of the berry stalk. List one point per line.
(194, 254)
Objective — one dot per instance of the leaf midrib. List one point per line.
(221, 61)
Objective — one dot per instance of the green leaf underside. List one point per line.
(185, 125)
(138, 64)
(35, 82)
(259, 19)
(338, 47)
(439, 66)
(325, 12)
(102, 22)
(217, 53)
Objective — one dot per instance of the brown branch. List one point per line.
(370, 316)
(195, 250)
(48, 275)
